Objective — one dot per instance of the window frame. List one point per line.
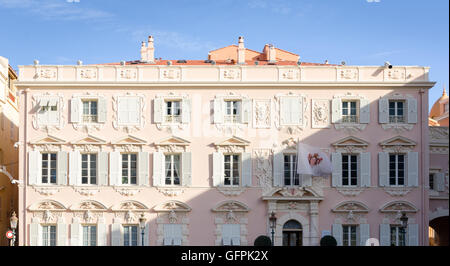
(357, 109)
(347, 237)
(49, 168)
(172, 178)
(349, 170)
(397, 234)
(48, 235)
(171, 118)
(129, 168)
(89, 240)
(89, 116)
(239, 161)
(396, 178)
(89, 177)
(130, 240)
(232, 118)
(395, 117)
(292, 172)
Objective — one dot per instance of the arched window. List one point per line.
(292, 233)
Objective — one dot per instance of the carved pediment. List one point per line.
(351, 141)
(89, 140)
(130, 205)
(351, 206)
(231, 205)
(398, 141)
(292, 193)
(233, 141)
(398, 206)
(173, 140)
(129, 140)
(47, 205)
(90, 205)
(49, 139)
(173, 205)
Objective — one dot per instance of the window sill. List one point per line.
(231, 190)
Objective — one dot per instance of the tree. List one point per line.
(328, 241)
(263, 241)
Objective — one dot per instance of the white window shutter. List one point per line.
(158, 169)
(101, 234)
(34, 167)
(177, 234)
(385, 235)
(168, 232)
(102, 111)
(365, 169)
(413, 234)
(306, 180)
(218, 169)
(227, 232)
(236, 235)
(76, 236)
(246, 169)
(186, 171)
(336, 231)
(34, 234)
(75, 110)
(336, 176)
(74, 168)
(61, 234)
(285, 111)
(336, 111)
(116, 234)
(158, 110)
(364, 111)
(134, 110)
(142, 171)
(383, 111)
(246, 113)
(102, 168)
(278, 169)
(61, 160)
(383, 169)
(412, 111)
(364, 234)
(115, 168)
(186, 111)
(439, 181)
(413, 169)
(122, 110)
(218, 111)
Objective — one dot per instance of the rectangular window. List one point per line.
(349, 170)
(398, 236)
(172, 166)
(130, 234)
(431, 181)
(129, 112)
(349, 235)
(48, 168)
(232, 169)
(291, 178)
(48, 113)
(89, 111)
(89, 235)
(49, 235)
(396, 111)
(129, 168)
(173, 112)
(350, 112)
(232, 111)
(396, 169)
(89, 168)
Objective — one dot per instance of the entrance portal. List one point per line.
(292, 233)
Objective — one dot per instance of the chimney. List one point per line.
(272, 54)
(241, 51)
(150, 51)
(143, 52)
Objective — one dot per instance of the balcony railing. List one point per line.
(90, 118)
(396, 119)
(350, 119)
(173, 119)
(232, 119)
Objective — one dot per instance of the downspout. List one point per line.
(423, 155)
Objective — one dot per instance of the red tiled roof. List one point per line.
(218, 62)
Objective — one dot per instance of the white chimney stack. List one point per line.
(143, 52)
(272, 54)
(150, 50)
(241, 51)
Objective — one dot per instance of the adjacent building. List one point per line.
(202, 152)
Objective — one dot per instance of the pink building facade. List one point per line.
(205, 151)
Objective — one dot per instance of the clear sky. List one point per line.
(359, 32)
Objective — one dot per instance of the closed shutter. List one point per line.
(383, 169)
(186, 111)
(236, 234)
(75, 112)
(364, 111)
(62, 168)
(246, 169)
(336, 110)
(186, 171)
(75, 234)
(158, 112)
(306, 180)
(158, 169)
(278, 169)
(74, 168)
(246, 111)
(218, 169)
(34, 234)
(385, 235)
(439, 181)
(34, 168)
(143, 161)
(289, 110)
(134, 110)
(383, 111)
(364, 234)
(365, 169)
(413, 169)
(116, 234)
(218, 111)
(115, 162)
(101, 234)
(168, 233)
(102, 168)
(336, 176)
(41, 115)
(177, 234)
(336, 231)
(61, 234)
(413, 234)
(227, 232)
(123, 117)
(412, 111)
(101, 118)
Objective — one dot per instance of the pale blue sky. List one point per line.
(360, 32)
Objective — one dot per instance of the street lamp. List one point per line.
(142, 221)
(404, 220)
(13, 222)
(273, 223)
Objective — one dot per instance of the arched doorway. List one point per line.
(292, 233)
(440, 234)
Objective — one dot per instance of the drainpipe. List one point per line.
(423, 144)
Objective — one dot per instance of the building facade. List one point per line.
(205, 151)
(9, 134)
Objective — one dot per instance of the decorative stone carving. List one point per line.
(232, 145)
(88, 127)
(47, 211)
(350, 128)
(231, 191)
(289, 74)
(230, 74)
(172, 144)
(231, 212)
(87, 191)
(351, 211)
(129, 128)
(262, 113)
(348, 74)
(394, 74)
(350, 191)
(290, 129)
(88, 144)
(127, 74)
(397, 127)
(439, 137)
(397, 191)
(398, 206)
(172, 127)
(320, 113)
(125, 191)
(170, 74)
(351, 145)
(48, 127)
(46, 73)
(128, 144)
(89, 211)
(47, 144)
(398, 144)
(232, 128)
(170, 192)
(129, 210)
(262, 168)
(46, 191)
(87, 73)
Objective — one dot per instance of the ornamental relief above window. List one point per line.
(88, 112)
(49, 110)
(129, 112)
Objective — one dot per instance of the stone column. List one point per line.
(314, 224)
